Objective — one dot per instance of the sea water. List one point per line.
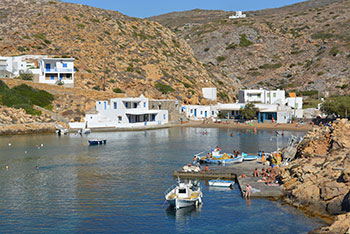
(62, 185)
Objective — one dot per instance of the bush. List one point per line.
(24, 96)
(338, 105)
(249, 111)
(244, 42)
(220, 58)
(164, 88)
(321, 35)
(59, 82)
(26, 76)
(118, 90)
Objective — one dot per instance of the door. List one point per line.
(195, 112)
(205, 114)
(48, 67)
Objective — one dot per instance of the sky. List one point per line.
(147, 8)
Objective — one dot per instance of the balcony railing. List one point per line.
(59, 70)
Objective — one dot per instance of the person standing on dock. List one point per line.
(248, 191)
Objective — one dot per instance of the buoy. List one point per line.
(42, 145)
(25, 151)
(6, 167)
(9, 144)
(36, 146)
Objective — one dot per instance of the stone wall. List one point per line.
(171, 105)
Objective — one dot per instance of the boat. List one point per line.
(184, 194)
(97, 141)
(247, 157)
(221, 183)
(61, 131)
(219, 158)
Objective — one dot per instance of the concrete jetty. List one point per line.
(235, 172)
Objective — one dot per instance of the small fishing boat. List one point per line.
(183, 195)
(97, 141)
(221, 183)
(247, 157)
(216, 157)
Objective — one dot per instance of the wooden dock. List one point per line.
(235, 172)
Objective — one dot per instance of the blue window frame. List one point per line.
(52, 77)
(144, 104)
(115, 105)
(48, 67)
(61, 76)
(64, 65)
(105, 105)
(126, 105)
(164, 116)
(153, 117)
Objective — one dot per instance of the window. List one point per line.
(99, 102)
(144, 104)
(182, 190)
(115, 105)
(212, 113)
(164, 116)
(126, 104)
(120, 118)
(274, 94)
(201, 112)
(268, 95)
(64, 65)
(191, 111)
(296, 105)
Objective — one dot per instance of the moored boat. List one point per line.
(183, 195)
(221, 183)
(97, 141)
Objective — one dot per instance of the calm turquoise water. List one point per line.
(118, 187)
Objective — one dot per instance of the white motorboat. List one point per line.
(221, 183)
(183, 195)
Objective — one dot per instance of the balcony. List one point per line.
(59, 70)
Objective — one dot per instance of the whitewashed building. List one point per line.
(54, 70)
(238, 14)
(198, 112)
(209, 93)
(124, 113)
(45, 70)
(272, 106)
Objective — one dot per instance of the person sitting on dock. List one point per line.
(206, 168)
(256, 172)
(217, 148)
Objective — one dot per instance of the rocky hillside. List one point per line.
(305, 46)
(319, 180)
(111, 50)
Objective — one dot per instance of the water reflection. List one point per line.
(183, 214)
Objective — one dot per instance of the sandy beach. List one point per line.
(235, 125)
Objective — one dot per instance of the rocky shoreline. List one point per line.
(318, 180)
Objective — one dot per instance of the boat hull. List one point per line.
(221, 183)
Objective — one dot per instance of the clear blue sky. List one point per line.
(146, 8)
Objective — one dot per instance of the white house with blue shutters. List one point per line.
(53, 70)
(127, 112)
(45, 70)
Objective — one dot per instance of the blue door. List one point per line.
(195, 112)
(48, 67)
(61, 76)
(205, 114)
(105, 105)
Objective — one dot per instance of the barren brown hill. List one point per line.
(305, 46)
(111, 50)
